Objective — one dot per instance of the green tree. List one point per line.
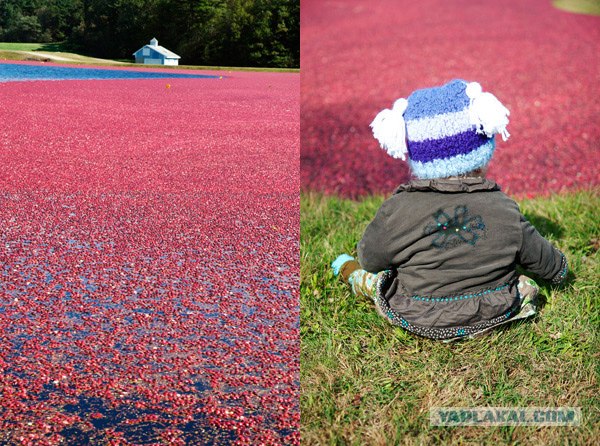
(207, 32)
(275, 34)
(59, 18)
(113, 28)
(18, 21)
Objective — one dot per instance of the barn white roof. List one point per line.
(159, 49)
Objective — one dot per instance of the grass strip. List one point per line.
(591, 7)
(364, 381)
(44, 52)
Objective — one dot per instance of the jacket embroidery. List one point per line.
(453, 231)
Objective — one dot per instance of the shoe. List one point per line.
(337, 264)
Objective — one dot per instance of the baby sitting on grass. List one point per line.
(439, 259)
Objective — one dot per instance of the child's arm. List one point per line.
(538, 256)
(374, 250)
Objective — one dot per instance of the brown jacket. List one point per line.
(453, 246)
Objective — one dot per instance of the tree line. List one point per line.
(203, 32)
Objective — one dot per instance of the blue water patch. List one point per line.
(16, 72)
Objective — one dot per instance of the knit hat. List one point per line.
(446, 131)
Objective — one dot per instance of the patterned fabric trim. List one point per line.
(460, 297)
(429, 332)
(564, 270)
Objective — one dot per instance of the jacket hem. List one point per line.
(433, 332)
(562, 274)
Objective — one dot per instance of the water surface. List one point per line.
(18, 72)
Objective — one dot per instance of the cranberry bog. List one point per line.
(358, 57)
(149, 260)
(364, 381)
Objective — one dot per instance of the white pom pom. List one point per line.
(389, 129)
(473, 89)
(486, 112)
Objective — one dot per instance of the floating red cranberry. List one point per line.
(149, 261)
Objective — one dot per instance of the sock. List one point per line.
(339, 262)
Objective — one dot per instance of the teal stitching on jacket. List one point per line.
(461, 297)
(449, 231)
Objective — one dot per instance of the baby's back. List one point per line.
(453, 243)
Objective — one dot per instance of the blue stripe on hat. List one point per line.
(434, 101)
(460, 144)
(442, 168)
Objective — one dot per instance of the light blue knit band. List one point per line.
(441, 168)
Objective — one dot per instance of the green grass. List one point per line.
(13, 46)
(55, 52)
(365, 382)
(591, 7)
(44, 51)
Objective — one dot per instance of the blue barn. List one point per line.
(156, 55)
